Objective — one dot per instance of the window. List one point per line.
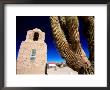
(36, 36)
(33, 54)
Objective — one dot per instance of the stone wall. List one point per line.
(24, 64)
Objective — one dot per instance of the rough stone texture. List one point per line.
(24, 64)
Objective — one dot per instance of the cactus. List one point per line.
(67, 38)
(89, 34)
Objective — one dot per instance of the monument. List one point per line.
(32, 56)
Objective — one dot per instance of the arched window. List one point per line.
(33, 54)
(36, 36)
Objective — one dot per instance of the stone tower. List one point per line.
(32, 56)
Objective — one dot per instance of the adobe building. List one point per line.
(32, 56)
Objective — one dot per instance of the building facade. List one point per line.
(32, 56)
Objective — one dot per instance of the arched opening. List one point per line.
(36, 36)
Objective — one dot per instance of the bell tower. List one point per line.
(32, 56)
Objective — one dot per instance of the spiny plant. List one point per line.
(67, 38)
